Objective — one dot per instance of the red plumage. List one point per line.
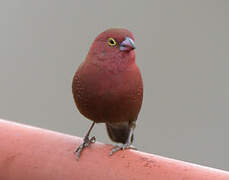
(107, 87)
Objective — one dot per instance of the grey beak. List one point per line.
(127, 45)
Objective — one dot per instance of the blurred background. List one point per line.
(182, 51)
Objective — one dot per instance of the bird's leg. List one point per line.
(86, 142)
(128, 143)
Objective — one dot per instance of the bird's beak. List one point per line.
(127, 45)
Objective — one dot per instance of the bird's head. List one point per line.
(112, 44)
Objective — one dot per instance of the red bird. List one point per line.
(108, 87)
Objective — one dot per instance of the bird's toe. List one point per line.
(122, 147)
(85, 144)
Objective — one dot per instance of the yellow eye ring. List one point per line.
(111, 42)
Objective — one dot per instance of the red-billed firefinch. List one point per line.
(108, 87)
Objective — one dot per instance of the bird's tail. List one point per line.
(119, 132)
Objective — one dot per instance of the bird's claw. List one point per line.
(121, 147)
(86, 143)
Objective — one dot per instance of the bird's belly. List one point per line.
(110, 108)
(104, 97)
(109, 101)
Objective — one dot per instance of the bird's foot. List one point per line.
(122, 147)
(86, 143)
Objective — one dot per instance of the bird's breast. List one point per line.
(102, 95)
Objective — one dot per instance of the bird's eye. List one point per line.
(111, 42)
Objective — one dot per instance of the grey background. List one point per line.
(182, 50)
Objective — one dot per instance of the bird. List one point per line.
(108, 87)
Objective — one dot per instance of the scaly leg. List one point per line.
(128, 143)
(86, 142)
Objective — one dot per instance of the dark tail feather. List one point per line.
(119, 132)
